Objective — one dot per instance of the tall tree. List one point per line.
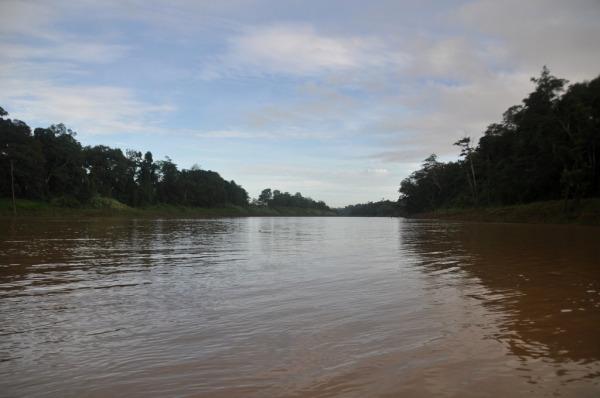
(21, 153)
(65, 174)
(546, 148)
(466, 152)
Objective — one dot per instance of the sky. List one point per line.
(338, 100)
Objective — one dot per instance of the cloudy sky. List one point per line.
(339, 100)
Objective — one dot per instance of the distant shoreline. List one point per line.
(585, 212)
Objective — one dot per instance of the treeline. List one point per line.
(546, 148)
(275, 198)
(383, 208)
(50, 164)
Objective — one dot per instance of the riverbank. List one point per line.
(586, 212)
(104, 207)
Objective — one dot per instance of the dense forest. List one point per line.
(275, 198)
(383, 208)
(546, 148)
(50, 164)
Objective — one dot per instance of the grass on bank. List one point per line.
(107, 207)
(586, 211)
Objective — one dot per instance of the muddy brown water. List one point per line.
(298, 307)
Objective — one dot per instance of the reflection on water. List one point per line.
(542, 284)
(302, 307)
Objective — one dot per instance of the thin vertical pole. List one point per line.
(12, 185)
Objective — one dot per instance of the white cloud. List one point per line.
(40, 62)
(288, 134)
(330, 185)
(237, 134)
(296, 50)
(228, 134)
(379, 88)
(467, 80)
(28, 18)
(377, 172)
(73, 51)
(311, 108)
(562, 34)
(40, 23)
(450, 58)
(440, 114)
(87, 109)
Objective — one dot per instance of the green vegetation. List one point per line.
(547, 149)
(276, 198)
(107, 207)
(586, 211)
(383, 208)
(541, 163)
(52, 165)
(50, 172)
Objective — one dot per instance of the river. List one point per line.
(298, 307)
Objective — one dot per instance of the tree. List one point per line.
(52, 164)
(277, 198)
(543, 149)
(265, 196)
(65, 174)
(21, 160)
(168, 189)
(383, 208)
(466, 152)
(236, 194)
(108, 172)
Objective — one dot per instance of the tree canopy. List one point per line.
(546, 148)
(383, 208)
(277, 198)
(50, 164)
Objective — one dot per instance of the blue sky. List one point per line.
(339, 100)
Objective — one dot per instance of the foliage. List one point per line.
(52, 165)
(383, 208)
(585, 211)
(547, 148)
(285, 199)
(18, 145)
(108, 207)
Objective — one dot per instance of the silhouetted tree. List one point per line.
(383, 208)
(108, 172)
(65, 173)
(546, 148)
(52, 164)
(18, 146)
(265, 196)
(277, 198)
(466, 152)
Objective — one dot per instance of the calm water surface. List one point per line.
(298, 307)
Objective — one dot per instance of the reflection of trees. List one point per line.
(544, 281)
